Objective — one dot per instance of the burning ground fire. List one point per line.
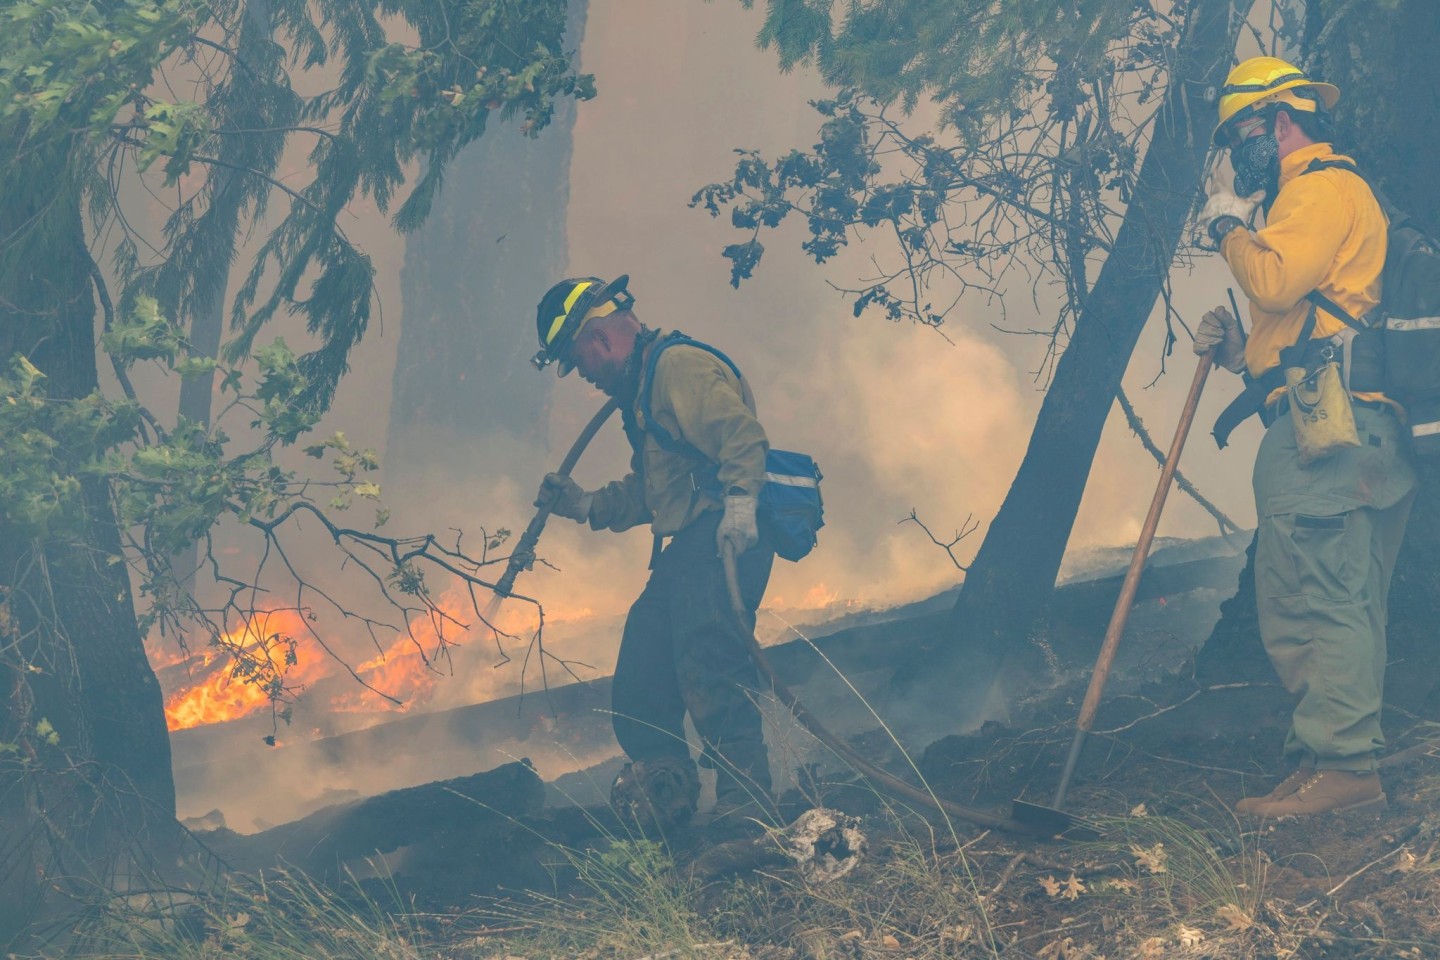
(210, 687)
(216, 690)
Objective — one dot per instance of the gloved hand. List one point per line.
(1223, 212)
(738, 526)
(1220, 330)
(564, 497)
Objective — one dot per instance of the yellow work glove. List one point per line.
(564, 497)
(1220, 330)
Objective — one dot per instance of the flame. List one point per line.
(819, 596)
(225, 695)
(407, 670)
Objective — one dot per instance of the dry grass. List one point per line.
(282, 916)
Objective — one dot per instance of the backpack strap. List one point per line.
(1315, 296)
(1250, 402)
(647, 380)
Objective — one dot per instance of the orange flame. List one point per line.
(407, 670)
(410, 667)
(225, 695)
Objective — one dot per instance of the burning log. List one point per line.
(822, 845)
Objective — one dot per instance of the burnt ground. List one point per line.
(1174, 874)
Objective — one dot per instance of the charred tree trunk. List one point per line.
(72, 805)
(1008, 587)
(1389, 87)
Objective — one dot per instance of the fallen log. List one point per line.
(470, 812)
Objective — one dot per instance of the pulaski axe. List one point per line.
(1121, 614)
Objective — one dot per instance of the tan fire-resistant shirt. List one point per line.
(1325, 231)
(698, 399)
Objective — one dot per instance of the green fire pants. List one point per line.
(1326, 546)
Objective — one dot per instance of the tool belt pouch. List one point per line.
(1320, 411)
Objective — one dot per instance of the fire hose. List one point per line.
(1032, 820)
(523, 556)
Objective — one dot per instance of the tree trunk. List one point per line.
(1008, 587)
(1387, 83)
(72, 808)
(209, 243)
(495, 241)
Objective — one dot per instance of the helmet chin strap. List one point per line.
(630, 381)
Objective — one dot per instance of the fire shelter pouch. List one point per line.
(1320, 411)
(791, 509)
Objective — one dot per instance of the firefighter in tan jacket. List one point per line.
(1328, 529)
(681, 651)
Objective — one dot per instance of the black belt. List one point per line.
(1281, 407)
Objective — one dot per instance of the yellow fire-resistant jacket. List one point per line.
(1325, 231)
(698, 399)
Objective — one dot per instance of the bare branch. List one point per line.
(967, 527)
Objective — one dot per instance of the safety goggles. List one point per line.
(1241, 130)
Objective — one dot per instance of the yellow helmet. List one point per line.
(1265, 80)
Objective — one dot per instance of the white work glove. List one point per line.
(1221, 212)
(564, 497)
(737, 527)
(1220, 330)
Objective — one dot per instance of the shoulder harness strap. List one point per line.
(647, 380)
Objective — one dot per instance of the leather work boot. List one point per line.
(1328, 791)
(1248, 805)
(659, 794)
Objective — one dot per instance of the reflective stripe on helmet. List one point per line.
(1230, 88)
(559, 321)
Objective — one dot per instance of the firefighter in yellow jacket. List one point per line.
(681, 651)
(1328, 529)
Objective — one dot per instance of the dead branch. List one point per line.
(967, 527)
(1138, 427)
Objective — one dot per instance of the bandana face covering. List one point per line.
(1256, 162)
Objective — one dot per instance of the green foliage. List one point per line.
(48, 445)
(69, 65)
(142, 334)
(979, 59)
(1042, 114)
(77, 77)
(287, 412)
(173, 131)
(349, 463)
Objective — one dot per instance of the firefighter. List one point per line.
(681, 651)
(1329, 529)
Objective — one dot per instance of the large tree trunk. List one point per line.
(473, 274)
(76, 807)
(1008, 587)
(1389, 87)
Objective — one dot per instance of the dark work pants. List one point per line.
(682, 651)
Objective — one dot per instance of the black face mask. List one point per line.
(1256, 162)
